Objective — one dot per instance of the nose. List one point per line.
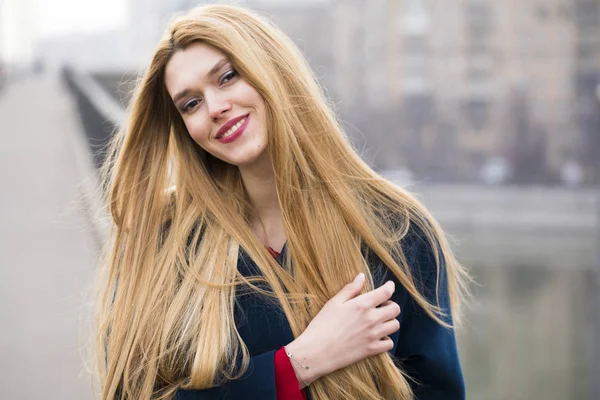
(218, 104)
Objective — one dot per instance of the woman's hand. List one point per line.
(349, 328)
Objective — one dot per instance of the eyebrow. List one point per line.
(212, 71)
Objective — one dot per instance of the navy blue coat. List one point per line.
(426, 350)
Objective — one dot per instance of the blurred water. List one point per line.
(529, 334)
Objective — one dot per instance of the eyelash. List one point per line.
(229, 75)
(232, 73)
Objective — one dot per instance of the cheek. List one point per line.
(261, 108)
(198, 130)
(251, 96)
(259, 100)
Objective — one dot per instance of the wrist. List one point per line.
(305, 355)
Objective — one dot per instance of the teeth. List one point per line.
(233, 128)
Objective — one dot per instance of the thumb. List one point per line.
(352, 290)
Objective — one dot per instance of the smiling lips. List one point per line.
(231, 127)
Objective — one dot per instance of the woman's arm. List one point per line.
(346, 330)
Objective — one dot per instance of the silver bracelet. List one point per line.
(291, 356)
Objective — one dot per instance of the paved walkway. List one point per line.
(47, 253)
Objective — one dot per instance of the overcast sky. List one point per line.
(58, 17)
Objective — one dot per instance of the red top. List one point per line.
(286, 383)
(274, 253)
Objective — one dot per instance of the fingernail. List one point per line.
(359, 277)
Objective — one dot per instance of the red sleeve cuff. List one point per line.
(286, 383)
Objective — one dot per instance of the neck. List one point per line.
(266, 222)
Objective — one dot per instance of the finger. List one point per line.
(387, 311)
(352, 290)
(387, 328)
(377, 296)
(385, 303)
(382, 345)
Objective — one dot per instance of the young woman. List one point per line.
(254, 255)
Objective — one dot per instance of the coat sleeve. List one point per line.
(424, 349)
(257, 383)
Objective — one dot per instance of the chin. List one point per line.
(243, 161)
(247, 158)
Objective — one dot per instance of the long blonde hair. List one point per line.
(165, 316)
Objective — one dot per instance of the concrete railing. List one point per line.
(523, 209)
(101, 115)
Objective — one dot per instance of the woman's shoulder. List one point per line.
(411, 227)
(416, 239)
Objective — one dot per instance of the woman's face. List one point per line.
(222, 112)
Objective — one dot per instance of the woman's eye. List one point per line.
(227, 76)
(187, 107)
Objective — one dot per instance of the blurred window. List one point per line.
(586, 50)
(479, 19)
(476, 111)
(586, 15)
(415, 45)
(542, 12)
(416, 61)
(565, 11)
(476, 159)
(480, 66)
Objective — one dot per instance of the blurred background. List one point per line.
(489, 110)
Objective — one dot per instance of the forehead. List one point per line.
(186, 67)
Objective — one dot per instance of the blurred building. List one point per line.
(513, 84)
(457, 86)
(309, 24)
